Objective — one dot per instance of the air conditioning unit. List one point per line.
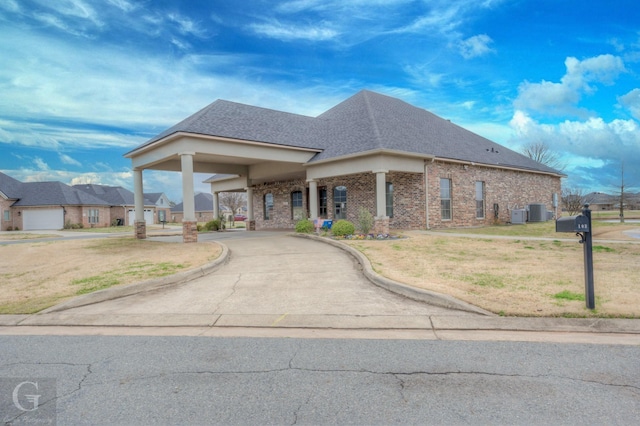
(537, 213)
(549, 215)
(519, 216)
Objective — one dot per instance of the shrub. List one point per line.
(212, 225)
(9, 228)
(342, 228)
(304, 226)
(365, 220)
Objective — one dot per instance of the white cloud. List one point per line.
(40, 164)
(631, 101)
(475, 46)
(592, 143)
(65, 159)
(562, 98)
(286, 32)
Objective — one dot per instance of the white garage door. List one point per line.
(42, 219)
(148, 216)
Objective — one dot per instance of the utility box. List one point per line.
(578, 223)
(518, 216)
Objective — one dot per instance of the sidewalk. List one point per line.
(272, 284)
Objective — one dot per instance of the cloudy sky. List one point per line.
(84, 81)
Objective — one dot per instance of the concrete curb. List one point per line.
(141, 287)
(430, 297)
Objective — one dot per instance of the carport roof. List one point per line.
(365, 122)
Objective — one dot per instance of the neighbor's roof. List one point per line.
(113, 195)
(9, 186)
(365, 122)
(54, 194)
(203, 203)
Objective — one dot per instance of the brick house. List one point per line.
(48, 205)
(54, 205)
(408, 167)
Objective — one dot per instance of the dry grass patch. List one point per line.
(513, 277)
(34, 276)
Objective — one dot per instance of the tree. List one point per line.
(541, 152)
(573, 199)
(233, 201)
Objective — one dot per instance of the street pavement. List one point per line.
(270, 283)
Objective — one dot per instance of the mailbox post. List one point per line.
(581, 225)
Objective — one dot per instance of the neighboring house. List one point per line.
(121, 202)
(601, 201)
(54, 205)
(48, 205)
(408, 167)
(203, 208)
(163, 209)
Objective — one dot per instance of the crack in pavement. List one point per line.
(233, 291)
(56, 395)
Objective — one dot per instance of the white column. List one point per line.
(138, 195)
(249, 203)
(216, 205)
(188, 201)
(381, 199)
(313, 199)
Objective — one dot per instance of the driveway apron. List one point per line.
(273, 275)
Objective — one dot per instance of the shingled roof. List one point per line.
(365, 122)
(54, 194)
(114, 195)
(203, 202)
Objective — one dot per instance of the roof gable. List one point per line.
(203, 203)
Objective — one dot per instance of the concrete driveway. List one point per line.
(271, 279)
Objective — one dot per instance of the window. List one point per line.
(94, 215)
(268, 206)
(389, 198)
(479, 200)
(340, 202)
(7, 215)
(297, 212)
(322, 202)
(445, 199)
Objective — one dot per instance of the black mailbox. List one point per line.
(578, 223)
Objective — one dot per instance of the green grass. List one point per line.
(135, 269)
(602, 249)
(569, 295)
(485, 280)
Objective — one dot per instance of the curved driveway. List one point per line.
(271, 279)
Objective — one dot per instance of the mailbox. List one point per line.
(578, 223)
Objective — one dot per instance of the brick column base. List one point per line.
(140, 229)
(381, 225)
(250, 225)
(189, 232)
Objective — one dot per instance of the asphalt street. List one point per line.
(118, 380)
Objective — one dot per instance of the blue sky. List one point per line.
(84, 81)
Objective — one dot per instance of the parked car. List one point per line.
(239, 218)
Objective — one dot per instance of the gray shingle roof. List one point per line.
(10, 186)
(114, 195)
(54, 194)
(364, 122)
(203, 203)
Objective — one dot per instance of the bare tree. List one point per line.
(573, 199)
(622, 193)
(541, 152)
(233, 201)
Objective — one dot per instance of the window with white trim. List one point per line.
(445, 199)
(479, 200)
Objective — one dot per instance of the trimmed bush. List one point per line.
(342, 228)
(304, 226)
